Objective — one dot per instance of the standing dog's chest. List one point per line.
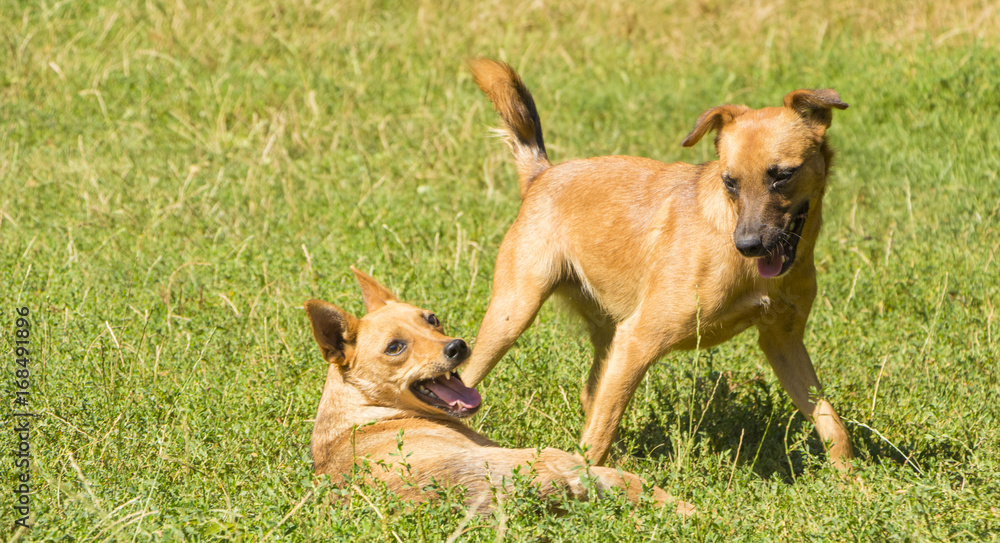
(717, 321)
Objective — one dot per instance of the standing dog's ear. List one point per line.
(375, 295)
(713, 119)
(815, 105)
(335, 330)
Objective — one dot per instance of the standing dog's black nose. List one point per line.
(750, 246)
(457, 350)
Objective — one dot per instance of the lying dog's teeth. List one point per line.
(427, 392)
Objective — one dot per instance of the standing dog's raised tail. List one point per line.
(513, 102)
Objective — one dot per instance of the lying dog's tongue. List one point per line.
(453, 391)
(770, 265)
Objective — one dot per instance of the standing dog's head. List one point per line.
(397, 355)
(773, 163)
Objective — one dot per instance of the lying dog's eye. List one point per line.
(433, 320)
(395, 347)
(729, 182)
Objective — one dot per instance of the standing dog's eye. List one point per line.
(781, 177)
(433, 320)
(395, 347)
(730, 183)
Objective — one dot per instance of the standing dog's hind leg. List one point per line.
(636, 346)
(518, 292)
(601, 336)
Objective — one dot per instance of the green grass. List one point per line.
(176, 178)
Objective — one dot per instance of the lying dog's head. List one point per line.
(396, 355)
(773, 163)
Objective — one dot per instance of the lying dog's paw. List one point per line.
(685, 509)
(662, 498)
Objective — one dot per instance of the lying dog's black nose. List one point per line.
(750, 246)
(457, 350)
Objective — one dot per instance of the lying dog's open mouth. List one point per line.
(448, 393)
(781, 258)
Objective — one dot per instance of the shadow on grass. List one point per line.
(749, 418)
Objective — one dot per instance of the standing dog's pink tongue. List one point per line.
(453, 391)
(770, 265)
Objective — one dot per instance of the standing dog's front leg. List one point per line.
(781, 341)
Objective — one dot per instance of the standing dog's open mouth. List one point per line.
(780, 259)
(448, 393)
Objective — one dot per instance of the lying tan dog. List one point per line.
(658, 257)
(393, 371)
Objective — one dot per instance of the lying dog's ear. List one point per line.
(335, 330)
(375, 295)
(815, 105)
(713, 119)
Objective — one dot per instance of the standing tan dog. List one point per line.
(658, 257)
(392, 374)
